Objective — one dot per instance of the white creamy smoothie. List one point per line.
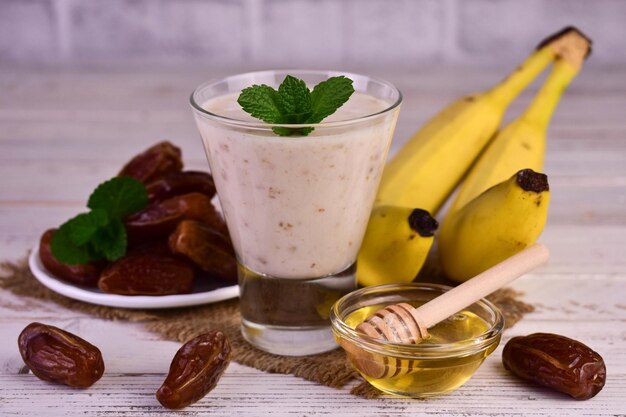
(297, 207)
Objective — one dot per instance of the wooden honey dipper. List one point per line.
(402, 323)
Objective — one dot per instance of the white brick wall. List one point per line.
(406, 32)
(157, 30)
(298, 33)
(495, 30)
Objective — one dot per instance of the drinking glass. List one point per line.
(296, 206)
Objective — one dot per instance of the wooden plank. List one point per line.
(122, 394)
(131, 380)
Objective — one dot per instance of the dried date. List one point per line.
(207, 248)
(147, 274)
(157, 161)
(195, 370)
(58, 356)
(181, 183)
(556, 362)
(85, 275)
(160, 219)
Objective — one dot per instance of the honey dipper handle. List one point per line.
(482, 285)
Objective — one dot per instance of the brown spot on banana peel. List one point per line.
(422, 222)
(569, 44)
(530, 180)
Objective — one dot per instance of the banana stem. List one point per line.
(541, 109)
(569, 45)
(514, 83)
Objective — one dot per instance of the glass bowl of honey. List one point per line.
(439, 363)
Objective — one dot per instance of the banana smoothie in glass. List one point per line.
(296, 206)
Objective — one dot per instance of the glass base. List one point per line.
(291, 316)
(289, 341)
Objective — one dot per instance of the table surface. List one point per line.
(64, 131)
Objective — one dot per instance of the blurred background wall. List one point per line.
(297, 33)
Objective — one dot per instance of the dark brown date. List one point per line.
(85, 275)
(147, 275)
(181, 183)
(556, 362)
(58, 356)
(157, 161)
(207, 248)
(195, 370)
(160, 219)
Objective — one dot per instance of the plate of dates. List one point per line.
(203, 291)
(153, 239)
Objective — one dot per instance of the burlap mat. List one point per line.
(331, 369)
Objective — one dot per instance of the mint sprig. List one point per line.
(100, 233)
(119, 197)
(294, 103)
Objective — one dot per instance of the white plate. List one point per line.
(95, 296)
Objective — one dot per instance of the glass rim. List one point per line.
(268, 126)
(427, 351)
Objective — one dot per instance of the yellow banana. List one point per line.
(430, 165)
(521, 144)
(498, 223)
(395, 245)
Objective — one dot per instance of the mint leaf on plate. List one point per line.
(111, 241)
(65, 250)
(85, 225)
(100, 233)
(119, 197)
(85, 238)
(294, 103)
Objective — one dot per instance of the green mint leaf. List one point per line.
(328, 96)
(65, 250)
(84, 226)
(292, 131)
(294, 103)
(262, 102)
(296, 99)
(110, 242)
(119, 197)
(100, 233)
(282, 131)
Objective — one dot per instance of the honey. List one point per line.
(427, 372)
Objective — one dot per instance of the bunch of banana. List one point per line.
(495, 225)
(430, 165)
(522, 143)
(474, 236)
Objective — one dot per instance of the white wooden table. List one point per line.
(63, 132)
